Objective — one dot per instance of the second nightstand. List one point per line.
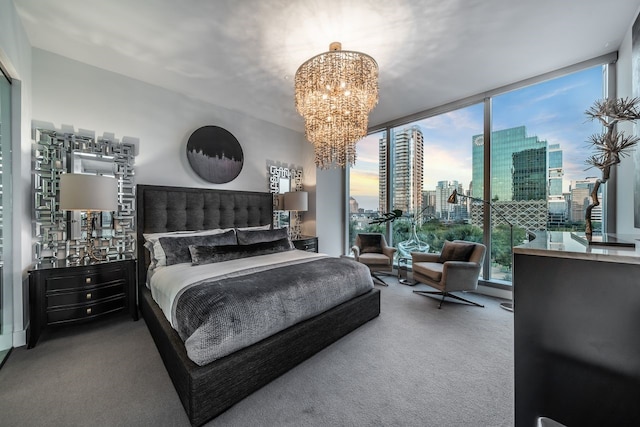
(306, 243)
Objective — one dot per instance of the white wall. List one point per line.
(15, 56)
(66, 92)
(628, 167)
(330, 200)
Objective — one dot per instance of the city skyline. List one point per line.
(552, 111)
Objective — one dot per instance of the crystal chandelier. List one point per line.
(335, 91)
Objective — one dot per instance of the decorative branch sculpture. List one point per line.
(387, 217)
(611, 146)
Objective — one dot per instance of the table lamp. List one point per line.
(297, 201)
(90, 193)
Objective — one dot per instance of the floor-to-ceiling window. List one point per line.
(539, 175)
(430, 159)
(366, 185)
(535, 150)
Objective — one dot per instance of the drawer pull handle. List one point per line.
(88, 295)
(87, 280)
(88, 310)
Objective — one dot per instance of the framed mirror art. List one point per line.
(60, 234)
(281, 180)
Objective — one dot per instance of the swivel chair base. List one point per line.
(446, 294)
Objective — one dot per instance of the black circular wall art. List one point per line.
(215, 154)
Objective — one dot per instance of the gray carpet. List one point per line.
(414, 365)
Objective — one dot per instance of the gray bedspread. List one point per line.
(220, 316)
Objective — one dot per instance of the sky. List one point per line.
(552, 110)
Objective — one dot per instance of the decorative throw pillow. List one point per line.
(152, 243)
(210, 254)
(176, 249)
(455, 251)
(370, 243)
(248, 237)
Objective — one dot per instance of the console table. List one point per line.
(576, 313)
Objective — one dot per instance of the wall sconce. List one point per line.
(296, 201)
(90, 193)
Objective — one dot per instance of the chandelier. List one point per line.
(335, 91)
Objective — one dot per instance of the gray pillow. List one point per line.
(455, 251)
(210, 254)
(176, 249)
(248, 237)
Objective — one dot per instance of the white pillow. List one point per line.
(152, 243)
(258, 227)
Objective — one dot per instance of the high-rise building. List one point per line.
(382, 175)
(581, 198)
(447, 211)
(558, 212)
(555, 170)
(428, 204)
(407, 170)
(517, 173)
(518, 177)
(353, 205)
(529, 174)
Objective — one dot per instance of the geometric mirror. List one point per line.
(58, 233)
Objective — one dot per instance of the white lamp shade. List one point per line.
(88, 192)
(296, 201)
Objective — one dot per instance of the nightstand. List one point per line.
(62, 293)
(306, 243)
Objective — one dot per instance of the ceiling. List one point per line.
(243, 54)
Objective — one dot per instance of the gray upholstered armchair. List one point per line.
(456, 268)
(372, 250)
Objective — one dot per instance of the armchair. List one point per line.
(371, 249)
(456, 268)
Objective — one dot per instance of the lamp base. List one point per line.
(507, 306)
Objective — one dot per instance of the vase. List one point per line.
(413, 244)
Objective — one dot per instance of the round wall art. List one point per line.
(215, 154)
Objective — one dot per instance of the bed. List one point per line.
(208, 390)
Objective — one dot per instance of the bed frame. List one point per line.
(206, 391)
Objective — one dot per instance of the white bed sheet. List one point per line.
(167, 282)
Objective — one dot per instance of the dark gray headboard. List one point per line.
(160, 209)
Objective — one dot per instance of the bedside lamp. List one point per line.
(297, 201)
(90, 193)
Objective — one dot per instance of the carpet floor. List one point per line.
(414, 365)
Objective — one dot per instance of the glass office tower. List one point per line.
(519, 166)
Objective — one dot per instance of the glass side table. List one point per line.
(403, 271)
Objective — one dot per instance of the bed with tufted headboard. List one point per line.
(209, 389)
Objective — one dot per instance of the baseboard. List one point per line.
(19, 338)
(494, 292)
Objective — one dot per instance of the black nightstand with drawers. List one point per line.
(61, 294)
(306, 243)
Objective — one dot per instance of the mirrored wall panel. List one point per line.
(61, 234)
(281, 180)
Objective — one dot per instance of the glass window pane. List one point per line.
(431, 158)
(539, 179)
(366, 197)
